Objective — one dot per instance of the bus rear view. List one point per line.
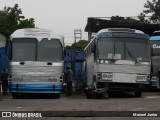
(36, 62)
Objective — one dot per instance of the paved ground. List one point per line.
(78, 102)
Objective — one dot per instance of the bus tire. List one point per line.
(138, 93)
(105, 95)
(15, 95)
(56, 95)
(89, 95)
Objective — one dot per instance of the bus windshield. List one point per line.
(29, 49)
(24, 49)
(49, 50)
(123, 49)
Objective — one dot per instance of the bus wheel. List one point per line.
(15, 95)
(56, 95)
(105, 95)
(138, 93)
(89, 94)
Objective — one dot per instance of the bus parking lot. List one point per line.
(78, 102)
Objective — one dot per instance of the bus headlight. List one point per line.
(61, 78)
(99, 76)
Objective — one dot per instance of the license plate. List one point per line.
(107, 76)
(141, 78)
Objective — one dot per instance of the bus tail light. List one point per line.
(99, 76)
(148, 78)
(61, 78)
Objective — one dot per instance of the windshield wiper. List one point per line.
(132, 56)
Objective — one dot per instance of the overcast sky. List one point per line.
(63, 16)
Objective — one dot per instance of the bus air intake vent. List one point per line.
(122, 30)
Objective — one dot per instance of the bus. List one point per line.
(155, 62)
(36, 62)
(117, 59)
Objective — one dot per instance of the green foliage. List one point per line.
(68, 47)
(12, 19)
(151, 14)
(152, 8)
(80, 45)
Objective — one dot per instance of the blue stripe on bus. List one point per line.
(35, 88)
(155, 38)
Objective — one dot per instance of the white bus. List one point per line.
(117, 59)
(36, 62)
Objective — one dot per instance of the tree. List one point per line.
(68, 47)
(151, 8)
(80, 45)
(12, 19)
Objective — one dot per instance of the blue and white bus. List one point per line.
(155, 62)
(117, 59)
(36, 62)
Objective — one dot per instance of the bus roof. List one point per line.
(128, 30)
(36, 33)
(155, 38)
